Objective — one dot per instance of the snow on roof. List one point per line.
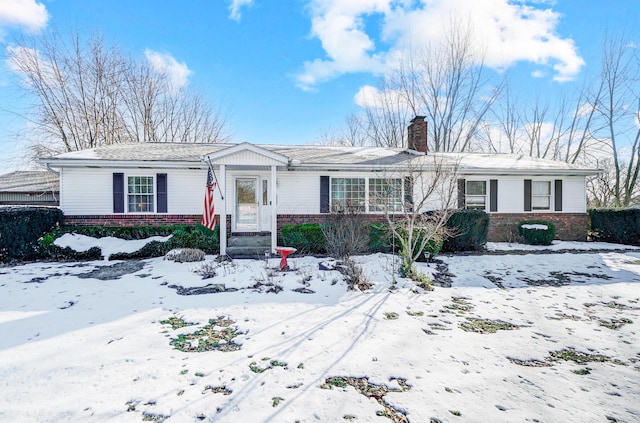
(318, 155)
(29, 181)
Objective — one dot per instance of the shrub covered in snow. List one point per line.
(207, 270)
(182, 236)
(537, 232)
(185, 255)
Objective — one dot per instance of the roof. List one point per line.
(29, 182)
(310, 157)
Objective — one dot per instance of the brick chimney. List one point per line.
(417, 134)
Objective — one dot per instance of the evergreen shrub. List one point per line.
(21, 227)
(184, 236)
(537, 235)
(468, 231)
(307, 238)
(620, 226)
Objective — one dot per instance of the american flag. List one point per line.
(208, 217)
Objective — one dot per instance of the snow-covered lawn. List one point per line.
(77, 348)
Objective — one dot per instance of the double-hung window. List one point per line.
(385, 195)
(348, 194)
(541, 195)
(140, 194)
(476, 195)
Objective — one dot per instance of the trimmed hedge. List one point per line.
(620, 226)
(469, 230)
(306, 238)
(380, 241)
(535, 236)
(184, 236)
(309, 239)
(21, 227)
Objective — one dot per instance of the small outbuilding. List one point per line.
(34, 188)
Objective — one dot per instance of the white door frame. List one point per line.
(236, 211)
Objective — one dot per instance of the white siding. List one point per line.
(299, 193)
(185, 191)
(574, 195)
(90, 191)
(510, 194)
(86, 191)
(247, 158)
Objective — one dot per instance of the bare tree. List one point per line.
(618, 110)
(448, 84)
(88, 94)
(428, 201)
(384, 118)
(351, 134)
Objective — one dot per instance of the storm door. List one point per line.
(247, 206)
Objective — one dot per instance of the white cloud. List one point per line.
(177, 72)
(23, 13)
(235, 6)
(25, 55)
(505, 32)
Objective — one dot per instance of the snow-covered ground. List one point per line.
(77, 348)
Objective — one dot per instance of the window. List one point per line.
(348, 193)
(385, 195)
(265, 192)
(140, 198)
(541, 195)
(476, 195)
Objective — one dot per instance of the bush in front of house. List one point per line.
(380, 241)
(346, 232)
(21, 227)
(620, 226)
(537, 232)
(183, 236)
(307, 238)
(467, 230)
(185, 255)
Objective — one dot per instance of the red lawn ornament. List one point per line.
(284, 252)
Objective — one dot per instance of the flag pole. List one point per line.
(215, 176)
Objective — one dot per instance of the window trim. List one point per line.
(367, 198)
(154, 193)
(333, 202)
(467, 195)
(396, 200)
(550, 196)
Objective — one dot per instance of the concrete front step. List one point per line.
(249, 241)
(248, 246)
(247, 252)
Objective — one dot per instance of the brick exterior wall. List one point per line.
(503, 227)
(298, 219)
(133, 220)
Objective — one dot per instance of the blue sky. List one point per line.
(287, 70)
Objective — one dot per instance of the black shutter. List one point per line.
(324, 194)
(527, 195)
(408, 192)
(493, 195)
(461, 193)
(558, 194)
(161, 192)
(118, 192)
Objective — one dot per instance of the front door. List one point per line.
(247, 207)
